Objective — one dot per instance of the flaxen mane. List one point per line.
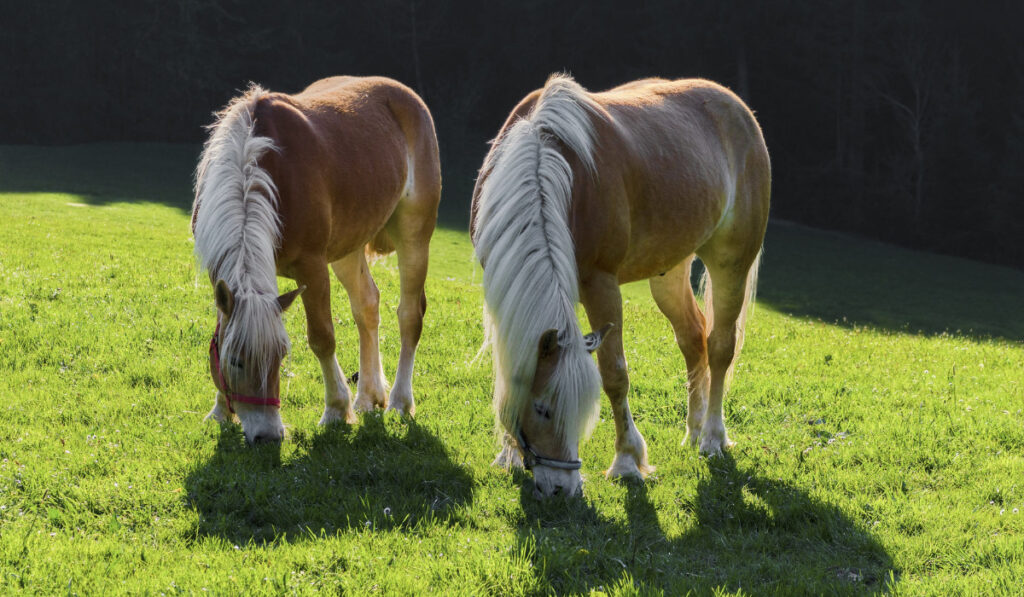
(238, 230)
(532, 283)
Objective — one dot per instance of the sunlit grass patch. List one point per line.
(871, 457)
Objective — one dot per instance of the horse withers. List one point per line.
(288, 185)
(582, 192)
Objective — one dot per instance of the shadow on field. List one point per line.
(743, 527)
(102, 173)
(857, 282)
(377, 475)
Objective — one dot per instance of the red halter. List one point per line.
(228, 394)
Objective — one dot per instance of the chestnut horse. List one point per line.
(582, 192)
(287, 185)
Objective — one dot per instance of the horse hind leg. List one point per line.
(673, 294)
(410, 230)
(728, 305)
(364, 298)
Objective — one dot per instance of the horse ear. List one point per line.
(548, 344)
(224, 298)
(286, 299)
(594, 339)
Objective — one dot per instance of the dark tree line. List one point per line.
(900, 120)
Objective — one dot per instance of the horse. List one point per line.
(582, 192)
(342, 172)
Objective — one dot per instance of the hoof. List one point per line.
(336, 415)
(403, 405)
(219, 414)
(368, 401)
(711, 446)
(626, 467)
(508, 458)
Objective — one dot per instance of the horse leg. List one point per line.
(411, 228)
(603, 302)
(220, 412)
(364, 298)
(727, 302)
(320, 328)
(674, 296)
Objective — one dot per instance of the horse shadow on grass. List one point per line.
(384, 473)
(746, 532)
(856, 282)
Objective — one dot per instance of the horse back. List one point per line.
(349, 149)
(671, 157)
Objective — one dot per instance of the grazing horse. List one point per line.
(582, 192)
(287, 185)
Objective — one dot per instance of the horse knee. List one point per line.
(615, 379)
(721, 348)
(691, 342)
(367, 311)
(321, 343)
(410, 313)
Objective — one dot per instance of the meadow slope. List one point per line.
(877, 409)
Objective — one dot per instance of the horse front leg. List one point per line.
(363, 296)
(320, 329)
(603, 302)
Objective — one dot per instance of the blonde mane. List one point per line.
(524, 244)
(238, 230)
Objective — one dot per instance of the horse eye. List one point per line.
(542, 410)
(236, 363)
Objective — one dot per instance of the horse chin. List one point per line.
(261, 424)
(556, 482)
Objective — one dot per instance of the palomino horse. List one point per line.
(288, 184)
(582, 192)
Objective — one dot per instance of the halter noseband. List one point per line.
(532, 459)
(228, 394)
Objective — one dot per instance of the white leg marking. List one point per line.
(337, 398)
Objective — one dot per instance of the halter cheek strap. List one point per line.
(230, 396)
(532, 459)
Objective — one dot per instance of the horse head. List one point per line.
(245, 358)
(549, 443)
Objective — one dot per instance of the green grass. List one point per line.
(877, 408)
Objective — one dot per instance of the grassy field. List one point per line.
(877, 408)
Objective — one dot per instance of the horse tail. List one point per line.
(236, 195)
(524, 243)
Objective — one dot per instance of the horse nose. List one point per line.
(265, 438)
(557, 490)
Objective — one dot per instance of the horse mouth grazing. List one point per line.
(552, 482)
(261, 424)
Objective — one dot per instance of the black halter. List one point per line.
(532, 459)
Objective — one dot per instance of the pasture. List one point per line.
(877, 410)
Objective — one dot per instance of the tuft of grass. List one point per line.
(876, 405)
